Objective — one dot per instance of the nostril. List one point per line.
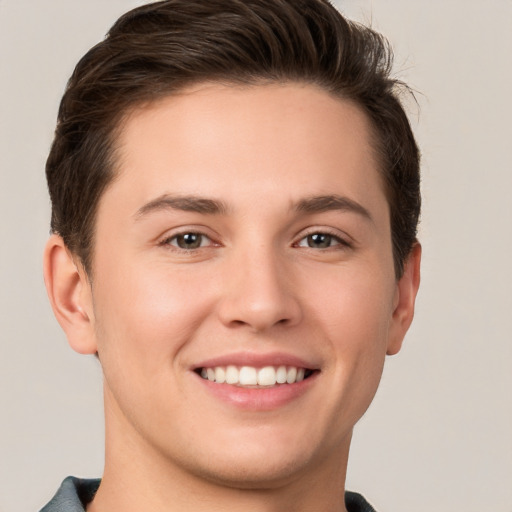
(259, 323)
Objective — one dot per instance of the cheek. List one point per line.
(146, 317)
(356, 317)
(355, 304)
(147, 312)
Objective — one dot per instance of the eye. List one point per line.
(321, 241)
(188, 241)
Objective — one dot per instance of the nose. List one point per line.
(259, 293)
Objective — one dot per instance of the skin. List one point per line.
(256, 285)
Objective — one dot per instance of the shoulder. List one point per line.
(356, 503)
(73, 495)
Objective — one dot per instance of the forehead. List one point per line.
(254, 149)
(278, 132)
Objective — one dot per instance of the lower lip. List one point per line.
(259, 399)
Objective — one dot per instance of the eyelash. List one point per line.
(339, 242)
(169, 240)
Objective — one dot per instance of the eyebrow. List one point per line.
(319, 204)
(183, 203)
(191, 203)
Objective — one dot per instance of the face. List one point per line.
(243, 294)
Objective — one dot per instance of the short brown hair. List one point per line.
(160, 48)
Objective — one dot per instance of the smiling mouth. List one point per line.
(249, 376)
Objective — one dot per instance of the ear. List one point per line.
(405, 297)
(70, 295)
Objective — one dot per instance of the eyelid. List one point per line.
(343, 238)
(164, 240)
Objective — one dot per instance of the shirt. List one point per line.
(75, 493)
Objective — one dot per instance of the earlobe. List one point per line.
(70, 295)
(406, 291)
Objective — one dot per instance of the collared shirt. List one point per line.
(75, 493)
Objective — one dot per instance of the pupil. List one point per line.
(319, 240)
(189, 241)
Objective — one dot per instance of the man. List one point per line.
(235, 195)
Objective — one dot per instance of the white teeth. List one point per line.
(291, 375)
(248, 376)
(232, 375)
(220, 374)
(281, 375)
(267, 376)
(251, 376)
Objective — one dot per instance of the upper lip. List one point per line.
(257, 360)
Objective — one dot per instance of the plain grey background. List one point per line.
(439, 434)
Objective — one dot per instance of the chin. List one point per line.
(250, 474)
(260, 462)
